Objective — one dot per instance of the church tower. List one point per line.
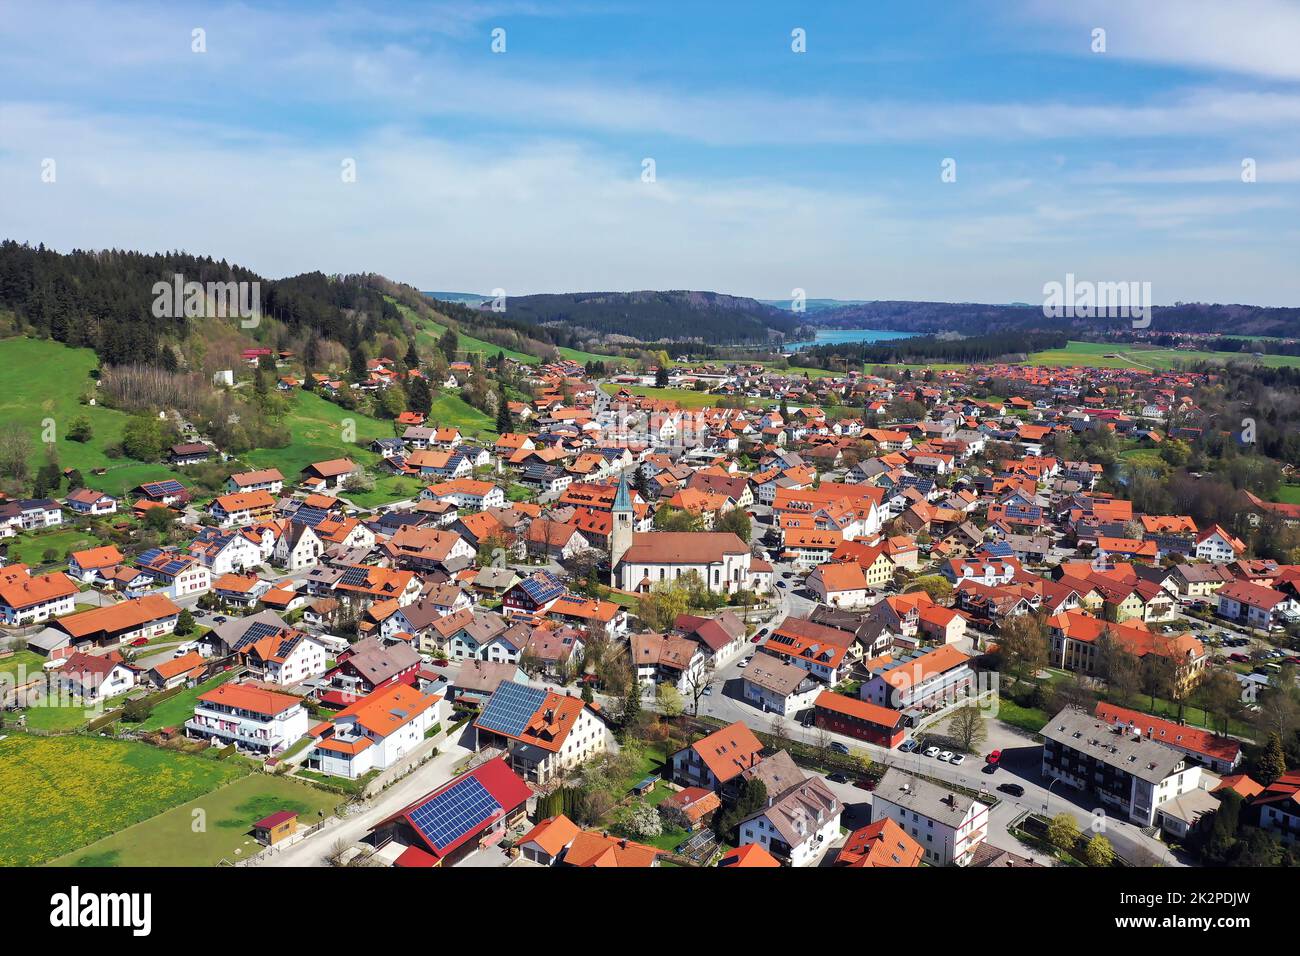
(620, 530)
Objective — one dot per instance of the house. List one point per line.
(225, 551)
(365, 667)
(241, 508)
(175, 671)
(248, 716)
(476, 681)
(1126, 770)
(554, 539)
(94, 677)
(152, 615)
(932, 679)
(798, 826)
(545, 843)
(26, 600)
(602, 850)
(1279, 807)
(178, 572)
(690, 808)
(30, 514)
(666, 659)
(841, 714)
(329, 475)
(841, 584)
(824, 652)
(776, 687)
(437, 829)
(466, 493)
(286, 656)
(749, 855)
(375, 732)
(87, 501)
(1212, 751)
(883, 843)
(239, 590)
(297, 547)
(1216, 545)
(942, 624)
(267, 479)
(189, 453)
(544, 734)
(1255, 605)
(94, 564)
(722, 637)
(718, 759)
(948, 826)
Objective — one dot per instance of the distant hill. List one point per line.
(650, 316)
(472, 299)
(973, 318)
(813, 305)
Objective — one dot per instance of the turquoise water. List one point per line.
(840, 336)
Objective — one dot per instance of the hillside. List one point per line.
(650, 316)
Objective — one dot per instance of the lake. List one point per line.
(841, 336)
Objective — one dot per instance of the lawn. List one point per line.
(60, 793)
(225, 818)
(1127, 355)
(428, 332)
(28, 662)
(1290, 494)
(31, 548)
(41, 382)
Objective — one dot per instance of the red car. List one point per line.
(993, 757)
(140, 642)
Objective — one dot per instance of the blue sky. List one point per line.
(775, 170)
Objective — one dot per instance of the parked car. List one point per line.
(140, 642)
(932, 751)
(219, 619)
(837, 777)
(1012, 788)
(957, 760)
(908, 746)
(993, 757)
(745, 663)
(838, 747)
(946, 756)
(708, 690)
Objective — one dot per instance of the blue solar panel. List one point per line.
(256, 631)
(355, 577)
(175, 567)
(310, 516)
(511, 708)
(170, 486)
(454, 812)
(542, 587)
(149, 555)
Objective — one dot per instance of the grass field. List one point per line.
(61, 793)
(31, 548)
(223, 820)
(428, 332)
(1122, 355)
(28, 663)
(1289, 494)
(41, 382)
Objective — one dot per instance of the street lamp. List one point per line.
(1048, 796)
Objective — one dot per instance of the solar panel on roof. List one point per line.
(256, 631)
(170, 486)
(454, 812)
(310, 516)
(510, 709)
(175, 567)
(542, 588)
(355, 577)
(149, 555)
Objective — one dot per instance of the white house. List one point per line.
(298, 547)
(250, 717)
(948, 826)
(375, 732)
(797, 827)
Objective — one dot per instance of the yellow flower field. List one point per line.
(61, 793)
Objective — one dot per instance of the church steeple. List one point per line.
(620, 529)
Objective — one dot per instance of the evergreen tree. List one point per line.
(505, 422)
(1272, 762)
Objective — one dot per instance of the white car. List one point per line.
(958, 760)
(932, 751)
(745, 663)
(946, 756)
(708, 690)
